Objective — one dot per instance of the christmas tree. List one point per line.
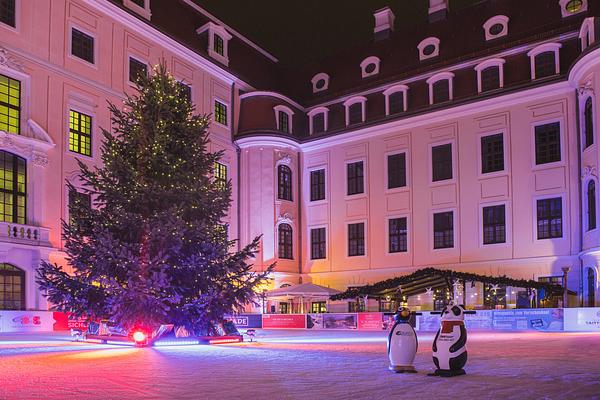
(153, 248)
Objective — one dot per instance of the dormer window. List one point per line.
(395, 99)
(544, 60)
(218, 40)
(320, 82)
(496, 27)
(318, 120)
(440, 87)
(429, 48)
(587, 33)
(572, 7)
(140, 7)
(369, 66)
(490, 75)
(355, 110)
(283, 118)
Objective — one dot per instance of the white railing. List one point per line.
(25, 234)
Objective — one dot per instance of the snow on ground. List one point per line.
(299, 365)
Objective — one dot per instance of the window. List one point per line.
(397, 235)
(220, 173)
(356, 239)
(492, 153)
(588, 116)
(219, 47)
(318, 123)
(441, 162)
(318, 244)
(355, 178)
(10, 105)
(320, 82)
(573, 7)
(80, 133)
(396, 103)
(284, 178)
(496, 27)
(549, 218)
(137, 69)
(490, 78)
(220, 112)
(318, 307)
(443, 230)
(429, 48)
(8, 12)
(139, 3)
(370, 66)
(283, 121)
(317, 185)
(355, 113)
(78, 198)
(591, 205)
(12, 287)
(82, 45)
(494, 225)
(441, 91)
(13, 188)
(285, 242)
(185, 91)
(545, 64)
(396, 170)
(547, 143)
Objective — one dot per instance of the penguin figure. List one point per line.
(402, 342)
(449, 345)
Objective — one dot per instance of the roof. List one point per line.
(303, 289)
(420, 280)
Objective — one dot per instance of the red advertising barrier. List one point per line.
(370, 321)
(284, 321)
(63, 323)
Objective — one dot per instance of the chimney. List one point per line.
(384, 23)
(438, 9)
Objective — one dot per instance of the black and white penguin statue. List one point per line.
(450, 343)
(402, 342)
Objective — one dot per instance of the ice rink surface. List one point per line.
(299, 365)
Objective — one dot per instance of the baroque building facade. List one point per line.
(468, 141)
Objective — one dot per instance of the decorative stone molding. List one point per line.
(285, 218)
(39, 159)
(586, 89)
(7, 61)
(588, 171)
(285, 159)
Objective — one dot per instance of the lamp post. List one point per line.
(565, 286)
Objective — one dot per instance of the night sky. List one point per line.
(308, 30)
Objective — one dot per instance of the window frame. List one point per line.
(17, 18)
(310, 244)
(583, 121)
(84, 111)
(95, 39)
(505, 147)
(143, 11)
(432, 40)
(404, 188)
(430, 163)
(562, 161)
(309, 191)
(282, 192)
(364, 178)
(16, 158)
(455, 228)
(216, 176)
(349, 103)
(395, 89)
(365, 238)
(494, 62)
(290, 114)
(507, 224)
(368, 61)
(19, 109)
(585, 205)
(317, 78)
(213, 29)
(587, 36)
(138, 59)
(542, 48)
(291, 244)
(565, 13)
(564, 222)
(497, 19)
(312, 114)
(227, 111)
(387, 234)
(446, 75)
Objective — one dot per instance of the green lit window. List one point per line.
(574, 5)
(12, 287)
(13, 188)
(10, 104)
(220, 112)
(221, 174)
(80, 133)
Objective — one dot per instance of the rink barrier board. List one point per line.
(541, 319)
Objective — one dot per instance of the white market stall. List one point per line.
(299, 298)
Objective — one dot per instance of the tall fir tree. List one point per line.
(153, 249)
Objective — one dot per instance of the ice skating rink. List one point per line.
(299, 365)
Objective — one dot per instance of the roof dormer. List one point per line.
(140, 7)
(218, 41)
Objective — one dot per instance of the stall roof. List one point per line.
(303, 289)
(418, 281)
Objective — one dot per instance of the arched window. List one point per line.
(591, 287)
(12, 287)
(284, 178)
(591, 205)
(588, 116)
(285, 242)
(13, 188)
